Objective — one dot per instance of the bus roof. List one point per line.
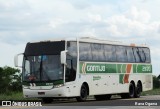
(93, 40)
(112, 42)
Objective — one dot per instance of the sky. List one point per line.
(129, 21)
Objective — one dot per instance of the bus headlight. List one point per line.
(57, 86)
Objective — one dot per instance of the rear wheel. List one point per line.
(131, 93)
(83, 94)
(131, 90)
(138, 90)
(47, 100)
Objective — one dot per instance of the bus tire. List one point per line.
(47, 100)
(83, 94)
(131, 90)
(138, 90)
(102, 97)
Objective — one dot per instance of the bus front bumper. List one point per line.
(55, 92)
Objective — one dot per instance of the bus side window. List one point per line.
(85, 52)
(147, 54)
(130, 55)
(136, 54)
(142, 55)
(110, 53)
(121, 54)
(97, 52)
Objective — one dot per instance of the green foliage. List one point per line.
(151, 92)
(15, 96)
(156, 82)
(6, 78)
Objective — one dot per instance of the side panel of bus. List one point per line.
(109, 78)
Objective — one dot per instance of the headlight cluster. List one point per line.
(57, 86)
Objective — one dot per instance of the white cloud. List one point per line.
(55, 23)
(8, 52)
(132, 25)
(29, 20)
(138, 15)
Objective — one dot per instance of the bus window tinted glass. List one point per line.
(147, 54)
(85, 52)
(98, 52)
(71, 67)
(130, 55)
(136, 54)
(110, 52)
(121, 54)
(72, 49)
(142, 55)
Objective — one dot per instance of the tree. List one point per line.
(6, 74)
(156, 82)
(158, 77)
(15, 84)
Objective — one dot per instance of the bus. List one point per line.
(84, 67)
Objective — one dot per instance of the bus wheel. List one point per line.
(83, 94)
(103, 97)
(138, 90)
(131, 90)
(47, 100)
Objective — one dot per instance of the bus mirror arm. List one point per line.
(16, 60)
(63, 57)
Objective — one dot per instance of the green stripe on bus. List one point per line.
(142, 68)
(98, 68)
(113, 68)
(121, 68)
(121, 78)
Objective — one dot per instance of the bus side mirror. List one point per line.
(63, 57)
(16, 60)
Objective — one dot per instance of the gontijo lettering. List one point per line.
(95, 68)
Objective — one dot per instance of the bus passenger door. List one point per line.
(70, 75)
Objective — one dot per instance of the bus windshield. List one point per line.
(42, 68)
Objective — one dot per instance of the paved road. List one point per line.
(114, 103)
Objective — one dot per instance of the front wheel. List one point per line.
(83, 94)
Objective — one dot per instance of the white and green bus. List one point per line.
(85, 67)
